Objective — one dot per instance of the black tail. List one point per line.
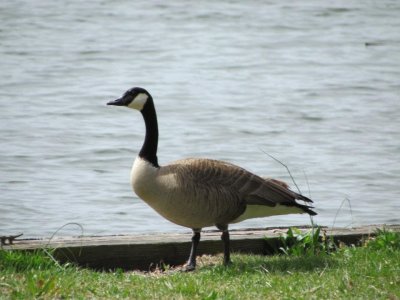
(305, 208)
(304, 198)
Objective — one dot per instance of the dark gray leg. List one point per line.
(226, 240)
(191, 264)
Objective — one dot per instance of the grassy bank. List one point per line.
(370, 271)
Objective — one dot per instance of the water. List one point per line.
(314, 84)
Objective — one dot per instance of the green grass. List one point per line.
(371, 271)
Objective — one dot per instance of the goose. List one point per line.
(198, 192)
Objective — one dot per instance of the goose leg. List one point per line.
(226, 240)
(191, 264)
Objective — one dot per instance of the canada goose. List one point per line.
(198, 193)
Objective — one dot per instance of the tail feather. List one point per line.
(305, 208)
(308, 209)
(304, 198)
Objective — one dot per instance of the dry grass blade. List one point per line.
(287, 168)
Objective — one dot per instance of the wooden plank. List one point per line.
(148, 250)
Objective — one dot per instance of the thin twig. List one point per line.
(308, 185)
(351, 210)
(309, 195)
(53, 259)
(65, 225)
(70, 251)
(340, 207)
(287, 168)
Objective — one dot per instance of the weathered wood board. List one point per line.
(147, 250)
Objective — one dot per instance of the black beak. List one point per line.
(117, 102)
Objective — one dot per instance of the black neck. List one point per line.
(149, 148)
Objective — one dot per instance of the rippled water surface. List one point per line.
(315, 84)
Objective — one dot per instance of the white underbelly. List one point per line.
(260, 211)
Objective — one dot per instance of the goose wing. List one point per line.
(255, 190)
(208, 185)
(226, 189)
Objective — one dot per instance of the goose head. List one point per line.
(135, 98)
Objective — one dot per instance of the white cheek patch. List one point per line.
(139, 101)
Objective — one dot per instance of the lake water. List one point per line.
(315, 84)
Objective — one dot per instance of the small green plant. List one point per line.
(296, 242)
(384, 240)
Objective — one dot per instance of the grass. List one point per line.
(371, 271)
